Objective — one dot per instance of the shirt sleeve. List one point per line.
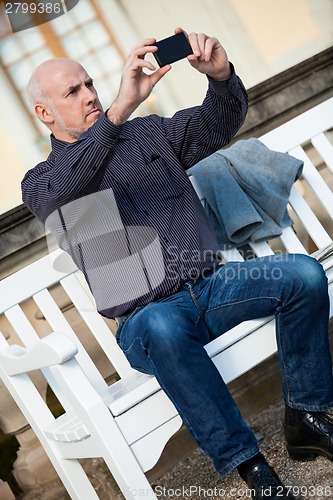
(77, 170)
(197, 132)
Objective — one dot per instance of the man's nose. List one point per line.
(89, 95)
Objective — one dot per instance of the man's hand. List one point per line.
(209, 57)
(136, 85)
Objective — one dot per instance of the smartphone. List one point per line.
(172, 49)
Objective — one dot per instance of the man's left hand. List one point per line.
(209, 57)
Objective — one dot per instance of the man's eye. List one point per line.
(74, 91)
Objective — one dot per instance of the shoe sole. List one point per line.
(306, 454)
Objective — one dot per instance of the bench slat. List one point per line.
(309, 219)
(324, 148)
(300, 129)
(261, 248)
(22, 325)
(291, 242)
(232, 255)
(315, 180)
(58, 322)
(96, 324)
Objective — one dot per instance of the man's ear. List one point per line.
(44, 113)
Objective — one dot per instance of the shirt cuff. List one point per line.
(104, 132)
(228, 87)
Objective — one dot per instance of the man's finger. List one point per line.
(157, 75)
(194, 42)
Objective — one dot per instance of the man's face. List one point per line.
(73, 101)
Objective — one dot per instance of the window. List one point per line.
(80, 34)
(85, 37)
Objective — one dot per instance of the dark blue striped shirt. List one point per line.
(147, 213)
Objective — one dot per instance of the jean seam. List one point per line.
(195, 302)
(188, 425)
(126, 352)
(240, 302)
(314, 408)
(281, 354)
(240, 458)
(237, 461)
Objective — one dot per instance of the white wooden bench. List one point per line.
(129, 422)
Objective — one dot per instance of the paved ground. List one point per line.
(194, 478)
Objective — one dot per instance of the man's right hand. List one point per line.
(135, 85)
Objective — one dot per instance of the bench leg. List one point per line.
(74, 478)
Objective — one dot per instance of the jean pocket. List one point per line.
(124, 322)
(137, 357)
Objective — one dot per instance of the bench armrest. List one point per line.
(55, 348)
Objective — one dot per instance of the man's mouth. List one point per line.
(93, 111)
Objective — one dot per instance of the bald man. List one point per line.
(66, 120)
(115, 193)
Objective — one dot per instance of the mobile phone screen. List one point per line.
(172, 49)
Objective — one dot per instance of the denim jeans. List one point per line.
(166, 338)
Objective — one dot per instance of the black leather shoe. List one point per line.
(313, 436)
(265, 484)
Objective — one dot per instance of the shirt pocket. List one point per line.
(151, 183)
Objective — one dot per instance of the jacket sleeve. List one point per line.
(75, 172)
(197, 132)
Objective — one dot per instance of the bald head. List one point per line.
(40, 84)
(64, 98)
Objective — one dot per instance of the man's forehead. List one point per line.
(71, 72)
(65, 74)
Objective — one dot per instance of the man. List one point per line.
(187, 299)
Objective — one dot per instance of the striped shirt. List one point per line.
(120, 202)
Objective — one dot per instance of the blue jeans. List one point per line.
(166, 338)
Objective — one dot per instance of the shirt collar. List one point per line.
(57, 145)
